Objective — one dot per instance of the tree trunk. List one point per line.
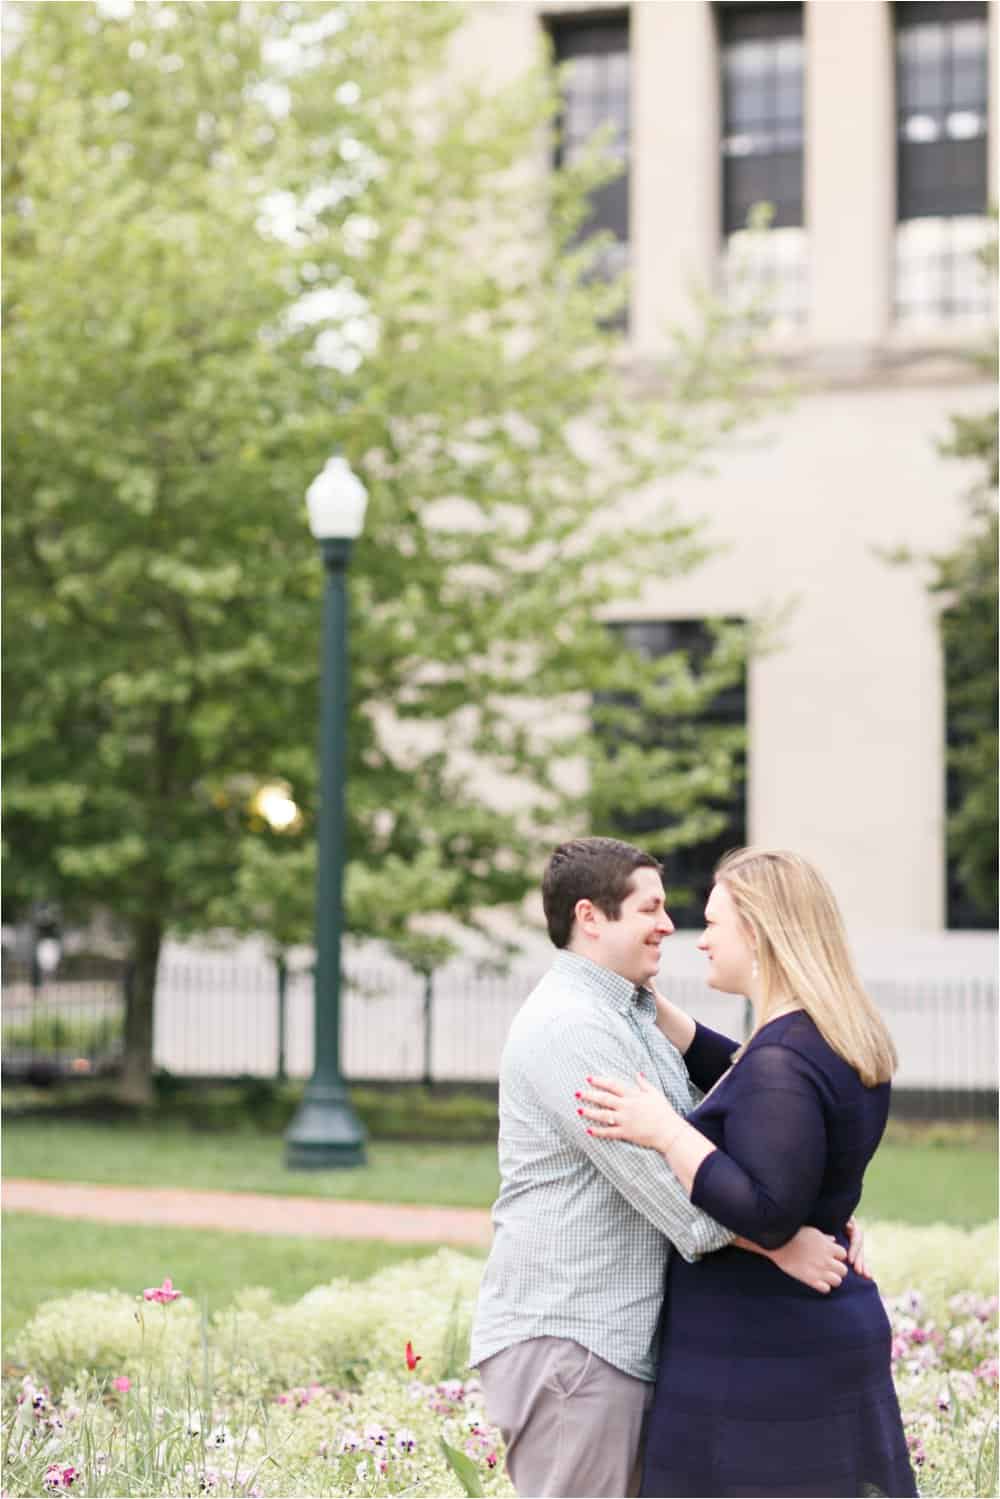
(136, 1086)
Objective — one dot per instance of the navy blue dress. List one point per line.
(764, 1386)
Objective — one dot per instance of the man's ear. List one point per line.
(587, 917)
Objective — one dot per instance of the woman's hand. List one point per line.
(618, 1112)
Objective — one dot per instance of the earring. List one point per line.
(754, 970)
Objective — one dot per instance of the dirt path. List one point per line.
(247, 1212)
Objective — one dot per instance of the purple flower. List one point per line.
(917, 1452)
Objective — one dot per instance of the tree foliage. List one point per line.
(240, 237)
(965, 580)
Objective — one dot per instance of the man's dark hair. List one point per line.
(595, 869)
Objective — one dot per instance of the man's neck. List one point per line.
(598, 960)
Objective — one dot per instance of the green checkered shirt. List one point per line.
(582, 1226)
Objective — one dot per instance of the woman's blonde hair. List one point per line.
(802, 953)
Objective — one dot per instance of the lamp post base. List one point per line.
(326, 1133)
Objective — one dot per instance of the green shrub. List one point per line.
(81, 1035)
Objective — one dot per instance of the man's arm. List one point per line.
(641, 1176)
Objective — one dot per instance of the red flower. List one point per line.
(412, 1359)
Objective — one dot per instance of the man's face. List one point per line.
(631, 945)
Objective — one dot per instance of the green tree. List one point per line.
(239, 237)
(965, 579)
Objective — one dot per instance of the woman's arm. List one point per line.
(707, 1054)
(676, 1024)
(765, 1182)
(645, 1117)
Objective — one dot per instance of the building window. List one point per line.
(596, 91)
(941, 154)
(763, 58)
(711, 742)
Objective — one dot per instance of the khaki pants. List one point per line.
(572, 1423)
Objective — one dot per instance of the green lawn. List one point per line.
(244, 1161)
(910, 1180)
(46, 1257)
(916, 1183)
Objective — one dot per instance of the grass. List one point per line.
(920, 1183)
(46, 1257)
(913, 1179)
(244, 1161)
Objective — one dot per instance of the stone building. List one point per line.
(871, 129)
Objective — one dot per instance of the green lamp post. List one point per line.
(326, 1131)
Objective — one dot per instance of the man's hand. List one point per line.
(814, 1258)
(856, 1249)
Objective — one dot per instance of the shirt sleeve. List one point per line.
(709, 1056)
(641, 1176)
(764, 1184)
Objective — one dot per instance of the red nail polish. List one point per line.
(580, 1112)
(577, 1095)
(590, 1132)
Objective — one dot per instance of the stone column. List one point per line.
(674, 163)
(850, 172)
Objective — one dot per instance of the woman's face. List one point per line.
(726, 943)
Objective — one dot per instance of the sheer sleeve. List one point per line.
(765, 1182)
(708, 1057)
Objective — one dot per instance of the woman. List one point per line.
(764, 1386)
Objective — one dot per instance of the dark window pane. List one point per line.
(742, 23)
(941, 93)
(941, 178)
(595, 96)
(762, 104)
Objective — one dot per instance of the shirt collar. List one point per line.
(615, 990)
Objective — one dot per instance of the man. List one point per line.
(565, 1329)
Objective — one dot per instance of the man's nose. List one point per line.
(665, 925)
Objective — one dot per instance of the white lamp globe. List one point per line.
(336, 499)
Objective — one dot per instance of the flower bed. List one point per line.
(354, 1389)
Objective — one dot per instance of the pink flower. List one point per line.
(122, 1383)
(58, 1479)
(162, 1293)
(917, 1452)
